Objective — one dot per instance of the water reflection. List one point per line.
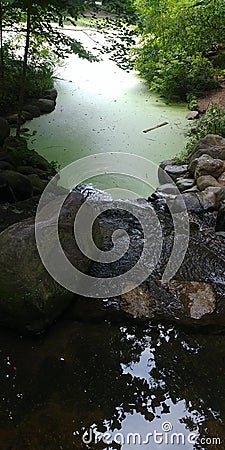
(111, 377)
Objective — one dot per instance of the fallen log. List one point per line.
(156, 126)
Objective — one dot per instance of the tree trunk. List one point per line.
(24, 71)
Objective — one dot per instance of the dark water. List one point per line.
(121, 377)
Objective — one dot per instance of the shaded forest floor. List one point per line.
(215, 96)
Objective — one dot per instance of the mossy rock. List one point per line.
(30, 299)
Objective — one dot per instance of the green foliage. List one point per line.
(213, 122)
(177, 37)
(181, 74)
(192, 102)
(39, 78)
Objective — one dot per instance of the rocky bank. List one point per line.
(30, 300)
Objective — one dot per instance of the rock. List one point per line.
(37, 182)
(191, 201)
(46, 105)
(27, 115)
(51, 93)
(206, 181)
(193, 164)
(176, 171)
(220, 220)
(193, 189)
(208, 198)
(212, 145)
(185, 183)
(214, 167)
(221, 195)
(139, 303)
(192, 115)
(4, 165)
(194, 299)
(167, 189)
(6, 192)
(181, 301)
(33, 110)
(221, 179)
(4, 130)
(162, 175)
(13, 119)
(20, 184)
(30, 299)
(29, 170)
(42, 163)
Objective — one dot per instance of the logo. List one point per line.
(141, 171)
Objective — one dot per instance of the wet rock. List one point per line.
(4, 130)
(194, 299)
(220, 221)
(221, 195)
(167, 189)
(176, 171)
(193, 164)
(163, 177)
(212, 145)
(191, 201)
(4, 165)
(206, 181)
(19, 184)
(46, 105)
(180, 301)
(30, 299)
(193, 189)
(37, 182)
(33, 110)
(6, 192)
(29, 170)
(221, 179)
(51, 93)
(185, 183)
(13, 119)
(139, 303)
(208, 199)
(27, 115)
(198, 201)
(214, 167)
(192, 115)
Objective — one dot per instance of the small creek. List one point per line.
(103, 372)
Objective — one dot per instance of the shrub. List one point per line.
(213, 122)
(181, 75)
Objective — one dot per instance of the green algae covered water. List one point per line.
(101, 108)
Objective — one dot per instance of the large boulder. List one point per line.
(30, 299)
(212, 145)
(4, 130)
(214, 167)
(46, 105)
(51, 94)
(20, 185)
(206, 181)
(185, 301)
(34, 110)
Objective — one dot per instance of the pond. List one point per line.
(102, 108)
(146, 386)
